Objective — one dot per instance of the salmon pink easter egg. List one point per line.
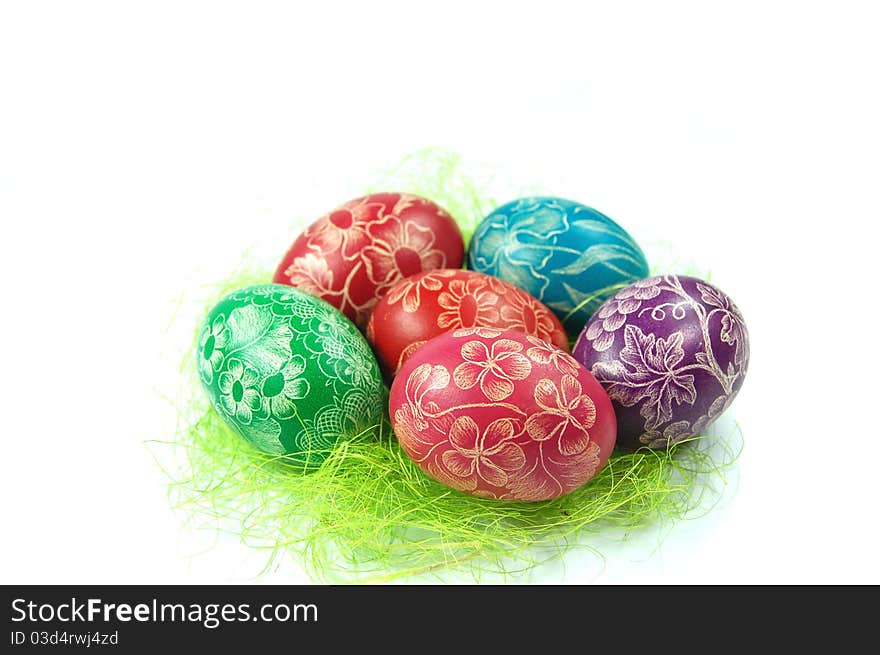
(354, 254)
(502, 414)
(425, 305)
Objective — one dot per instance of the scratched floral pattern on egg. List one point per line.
(567, 255)
(288, 372)
(672, 353)
(423, 306)
(353, 255)
(501, 414)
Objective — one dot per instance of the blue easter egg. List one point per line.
(569, 256)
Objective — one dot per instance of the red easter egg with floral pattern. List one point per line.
(502, 414)
(354, 254)
(424, 305)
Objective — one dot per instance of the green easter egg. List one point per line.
(288, 372)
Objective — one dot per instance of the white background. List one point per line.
(144, 145)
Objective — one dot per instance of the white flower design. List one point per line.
(493, 369)
(310, 273)
(240, 395)
(467, 304)
(421, 381)
(409, 289)
(525, 313)
(543, 352)
(345, 230)
(613, 312)
(285, 387)
(506, 243)
(733, 327)
(567, 414)
(475, 456)
(211, 344)
(398, 250)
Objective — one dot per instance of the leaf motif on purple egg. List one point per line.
(732, 326)
(671, 351)
(652, 377)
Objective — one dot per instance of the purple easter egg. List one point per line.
(672, 353)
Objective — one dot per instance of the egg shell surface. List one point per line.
(672, 352)
(351, 256)
(288, 372)
(424, 305)
(567, 255)
(501, 414)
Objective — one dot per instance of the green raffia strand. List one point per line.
(369, 514)
(439, 175)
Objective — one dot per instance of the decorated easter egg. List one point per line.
(569, 256)
(354, 254)
(501, 414)
(288, 372)
(422, 306)
(671, 352)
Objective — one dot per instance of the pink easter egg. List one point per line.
(502, 414)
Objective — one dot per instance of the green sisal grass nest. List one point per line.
(369, 514)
